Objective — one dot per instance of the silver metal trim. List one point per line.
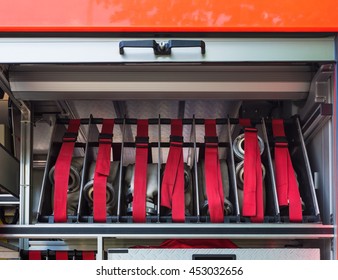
(313, 124)
(160, 81)
(91, 50)
(25, 170)
(246, 235)
(100, 248)
(319, 90)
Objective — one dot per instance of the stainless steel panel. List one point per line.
(89, 50)
(41, 144)
(167, 81)
(320, 151)
(187, 254)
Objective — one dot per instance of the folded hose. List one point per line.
(238, 146)
(203, 199)
(152, 190)
(188, 190)
(73, 184)
(240, 174)
(111, 187)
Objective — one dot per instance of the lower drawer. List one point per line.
(214, 254)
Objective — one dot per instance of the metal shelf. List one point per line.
(238, 231)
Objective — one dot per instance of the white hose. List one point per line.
(238, 146)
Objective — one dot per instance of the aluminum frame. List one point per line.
(106, 50)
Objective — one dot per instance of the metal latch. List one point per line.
(162, 48)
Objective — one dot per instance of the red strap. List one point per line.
(62, 170)
(172, 192)
(61, 255)
(253, 181)
(140, 173)
(286, 182)
(34, 255)
(245, 122)
(102, 170)
(88, 255)
(213, 178)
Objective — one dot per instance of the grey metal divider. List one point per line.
(159, 171)
(308, 169)
(119, 196)
(195, 172)
(271, 169)
(45, 174)
(84, 174)
(232, 170)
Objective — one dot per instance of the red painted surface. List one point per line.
(169, 15)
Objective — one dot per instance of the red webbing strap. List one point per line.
(172, 192)
(62, 170)
(34, 255)
(140, 173)
(213, 178)
(61, 255)
(102, 169)
(286, 182)
(88, 255)
(253, 206)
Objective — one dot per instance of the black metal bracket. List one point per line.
(162, 48)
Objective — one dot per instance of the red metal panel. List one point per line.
(169, 15)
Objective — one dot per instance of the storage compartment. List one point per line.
(217, 100)
(231, 157)
(56, 255)
(225, 109)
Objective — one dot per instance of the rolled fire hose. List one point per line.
(188, 189)
(73, 184)
(203, 199)
(238, 146)
(240, 174)
(240, 181)
(111, 187)
(152, 191)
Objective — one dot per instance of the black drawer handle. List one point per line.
(162, 48)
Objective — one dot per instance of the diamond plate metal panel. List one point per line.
(41, 144)
(211, 109)
(99, 109)
(241, 254)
